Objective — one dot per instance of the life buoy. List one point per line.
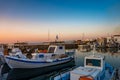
(86, 78)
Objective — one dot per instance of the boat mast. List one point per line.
(56, 38)
(83, 36)
(48, 35)
(94, 48)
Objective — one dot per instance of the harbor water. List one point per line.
(112, 56)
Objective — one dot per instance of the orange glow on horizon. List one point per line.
(20, 30)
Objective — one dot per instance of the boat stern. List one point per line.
(82, 73)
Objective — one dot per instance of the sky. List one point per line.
(33, 20)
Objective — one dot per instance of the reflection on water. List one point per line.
(112, 56)
(110, 50)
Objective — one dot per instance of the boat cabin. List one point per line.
(56, 49)
(53, 52)
(94, 61)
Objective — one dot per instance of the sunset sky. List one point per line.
(31, 20)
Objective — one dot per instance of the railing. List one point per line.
(113, 77)
(61, 72)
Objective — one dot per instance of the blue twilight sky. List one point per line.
(68, 18)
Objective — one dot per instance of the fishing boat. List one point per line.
(55, 56)
(70, 52)
(84, 48)
(95, 68)
(2, 60)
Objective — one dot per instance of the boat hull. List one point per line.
(28, 73)
(25, 63)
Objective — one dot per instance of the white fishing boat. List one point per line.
(84, 48)
(95, 68)
(70, 52)
(55, 56)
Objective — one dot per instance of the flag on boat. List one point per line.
(56, 37)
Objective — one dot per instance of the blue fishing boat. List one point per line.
(95, 68)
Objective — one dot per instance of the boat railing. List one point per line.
(112, 70)
(62, 72)
(113, 77)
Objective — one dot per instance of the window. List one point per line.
(93, 62)
(60, 47)
(41, 56)
(51, 50)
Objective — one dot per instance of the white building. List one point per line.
(114, 38)
(113, 41)
(109, 39)
(10, 46)
(117, 38)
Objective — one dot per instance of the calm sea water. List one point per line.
(112, 56)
